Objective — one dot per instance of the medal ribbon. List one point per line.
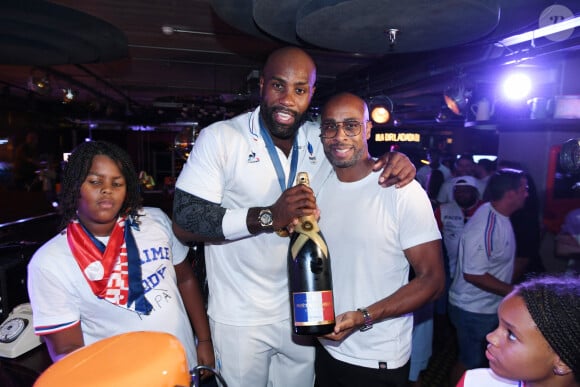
(276, 160)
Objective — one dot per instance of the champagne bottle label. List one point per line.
(313, 308)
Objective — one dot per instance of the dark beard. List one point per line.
(276, 130)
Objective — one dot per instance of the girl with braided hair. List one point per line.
(537, 342)
(116, 267)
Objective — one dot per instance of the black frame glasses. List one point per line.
(350, 127)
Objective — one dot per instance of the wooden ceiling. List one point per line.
(159, 54)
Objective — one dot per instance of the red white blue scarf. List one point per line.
(114, 271)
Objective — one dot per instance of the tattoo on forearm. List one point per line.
(197, 215)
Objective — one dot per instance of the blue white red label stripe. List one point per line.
(313, 308)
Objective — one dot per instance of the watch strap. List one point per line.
(368, 320)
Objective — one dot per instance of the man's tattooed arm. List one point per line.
(196, 219)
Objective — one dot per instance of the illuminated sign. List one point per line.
(397, 137)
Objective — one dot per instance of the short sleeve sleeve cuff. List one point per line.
(234, 224)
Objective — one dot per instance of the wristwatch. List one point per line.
(368, 324)
(265, 218)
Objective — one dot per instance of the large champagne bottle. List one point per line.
(309, 277)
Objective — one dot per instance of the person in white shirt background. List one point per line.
(463, 166)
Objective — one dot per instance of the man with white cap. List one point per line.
(463, 166)
(452, 216)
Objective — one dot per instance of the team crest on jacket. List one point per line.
(252, 158)
(311, 156)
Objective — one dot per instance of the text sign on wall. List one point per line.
(397, 137)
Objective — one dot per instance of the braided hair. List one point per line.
(554, 304)
(77, 168)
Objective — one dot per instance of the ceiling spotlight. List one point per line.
(39, 82)
(457, 97)
(380, 115)
(381, 108)
(517, 86)
(392, 35)
(68, 95)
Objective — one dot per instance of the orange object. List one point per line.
(130, 359)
